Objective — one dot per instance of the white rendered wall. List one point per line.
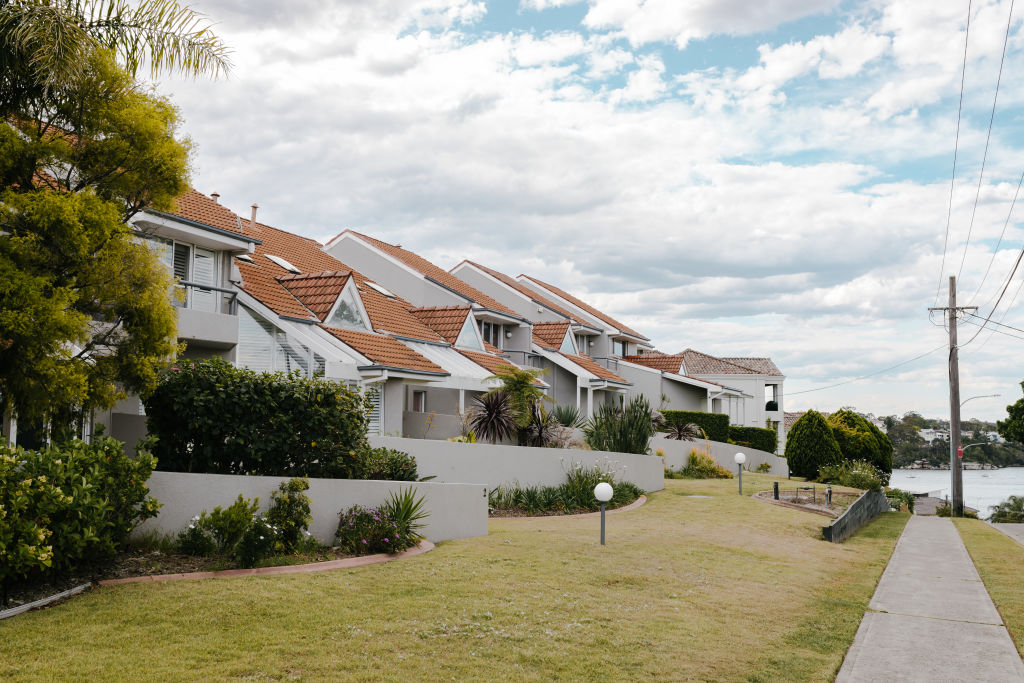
(677, 454)
(492, 466)
(456, 510)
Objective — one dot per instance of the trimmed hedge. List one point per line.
(757, 437)
(209, 416)
(715, 425)
(860, 440)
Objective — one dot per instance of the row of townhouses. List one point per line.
(422, 341)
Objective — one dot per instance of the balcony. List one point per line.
(207, 315)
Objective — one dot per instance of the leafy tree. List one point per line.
(1012, 428)
(810, 445)
(860, 440)
(520, 384)
(85, 310)
(1010, 510)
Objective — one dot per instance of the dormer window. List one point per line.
(469, 338)
(348, 310)
(567, 345)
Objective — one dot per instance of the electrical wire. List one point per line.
(996, 249)
(1001, 294)
(988, 138)
(997, 331)
(956, 147)
(1005, 313)
(879, 372)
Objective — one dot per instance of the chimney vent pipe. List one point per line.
(215, 196)
(252, 219)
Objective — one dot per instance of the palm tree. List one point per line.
(686, 432)
(47, 40)
(520, 384)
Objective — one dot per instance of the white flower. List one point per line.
(261, 538)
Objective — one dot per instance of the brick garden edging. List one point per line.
(311, 568)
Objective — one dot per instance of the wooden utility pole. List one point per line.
(956, 487)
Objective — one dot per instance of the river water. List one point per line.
(982, 488)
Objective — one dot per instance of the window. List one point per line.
(188, 263)
(491, 333)
(582, 345)
(419, 401)
(621, 347)
(347, 312)
(468, 338)
(567, 346)
(265, 348)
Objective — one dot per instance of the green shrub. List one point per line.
(858, 439)
(858, 474)
(898, 497)
(574, 496)
(568, 415)
(810, 445)
(700, 465)
(69, 504)
(763, 468)
(209, 416)
(622, 430)
(227, 525)
(196, 539)
(259, 540)
(290, 514)
(391, 528)
(947, 511)
(715, 425)
(771, 405)
(386, 464)
(756, 437)
(1010, 510)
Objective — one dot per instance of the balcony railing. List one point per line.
(200, 297)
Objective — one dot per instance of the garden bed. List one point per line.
(812, 500)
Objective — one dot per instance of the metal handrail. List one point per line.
(232, 294)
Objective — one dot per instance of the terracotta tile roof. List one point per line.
(421, 265)
(386, 351)
(524, 290)
(197, 207)
(791, 418)
(261, 280)
(586, 307)
(595, 368)
(550, 335)
(697, 363)
(491, 348)
(658, 361)
(447, 321)
(762, 366)
(317, 291)
(487, 361)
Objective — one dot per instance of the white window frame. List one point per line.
(422, 395)
(350, 286)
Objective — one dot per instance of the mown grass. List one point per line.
(998, 559)
(718, 588)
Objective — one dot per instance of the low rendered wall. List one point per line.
(492, 466)
(861, 511)
(677, 454)
(456, 510)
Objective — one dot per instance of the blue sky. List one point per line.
(741, 178)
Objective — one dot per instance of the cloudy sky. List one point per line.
(768, 178)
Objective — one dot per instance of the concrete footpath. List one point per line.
(931, 618)
(1014, 531)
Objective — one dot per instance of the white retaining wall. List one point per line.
(492, 466)
(456, 510)
(677, 454)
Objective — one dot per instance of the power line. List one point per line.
(956, 147)
(984, 158)
(997, 331)
(1001, 294)
(1005, 313)
(996, 249)
(1000, 324)
(879, 372)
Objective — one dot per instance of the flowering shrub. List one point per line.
(391, 528)
(385, 464)
(223, 526)
(196, 539)
(290, 513)
(259, 540)
(700, 465)
(64, 505)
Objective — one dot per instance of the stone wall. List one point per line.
(861, 511)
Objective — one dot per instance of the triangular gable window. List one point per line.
(348, 310)
(567, 345)
(469, 337)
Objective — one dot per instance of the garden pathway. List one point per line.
(931, 618)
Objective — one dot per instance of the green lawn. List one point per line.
(998, 559)
(719, 588)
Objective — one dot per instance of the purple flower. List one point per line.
(364, 541)
(385, 540)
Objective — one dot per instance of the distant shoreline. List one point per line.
(945, 466)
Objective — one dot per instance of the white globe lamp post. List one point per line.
(603, 492)
(740, 458)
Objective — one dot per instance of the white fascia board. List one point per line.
(635, 366)
(481, 312)
(311, 335)
(691, 381)
(151, 224)
(584, 377)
